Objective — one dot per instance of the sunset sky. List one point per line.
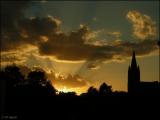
(82, 44)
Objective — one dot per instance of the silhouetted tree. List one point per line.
(50, 88)
(13, 75)
(68, 94)
(37, 77)
(105, 89)
(92, 91)
(39, 84)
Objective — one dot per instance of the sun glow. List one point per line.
(65, 89)
(77, 90)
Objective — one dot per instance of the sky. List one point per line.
(82, 44)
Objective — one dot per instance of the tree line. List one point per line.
(36, 83)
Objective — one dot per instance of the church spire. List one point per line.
(133, 75)
(134, 62)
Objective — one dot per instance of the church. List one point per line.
(135, 86)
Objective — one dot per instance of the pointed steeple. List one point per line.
(133, 75)
(134, 62)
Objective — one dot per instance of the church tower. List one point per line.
(133, 76)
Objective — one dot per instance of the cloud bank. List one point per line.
(45, 33)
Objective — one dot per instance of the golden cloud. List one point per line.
(45, 34)
(143, 26)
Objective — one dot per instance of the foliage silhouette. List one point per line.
(68, 94)
(105, 89)
(11, 77)
(37, 77)
(37, 84)
(92, 92)
(35, 96)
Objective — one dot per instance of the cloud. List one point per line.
(143, 26)
(45, 34)
(117, 34)
(11, 12)
(73, 47)
(19, 56)
(17, 30)
(93, 65)
(30, 31)
(67, 47)
(39, 26)
(60, 81)
(69, 81)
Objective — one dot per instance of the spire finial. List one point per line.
(134, 63)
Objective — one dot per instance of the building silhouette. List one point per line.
(135, 85)
(133, 75)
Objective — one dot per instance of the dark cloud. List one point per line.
(29, 31)
(35, 27)
(11, 12)
(72, 47)
(45, 33)
(17, 30)
(67, 47)
(80, 51)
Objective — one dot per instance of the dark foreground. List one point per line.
(34, 98)
(80, 108)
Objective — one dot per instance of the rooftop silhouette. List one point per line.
(135, 86)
